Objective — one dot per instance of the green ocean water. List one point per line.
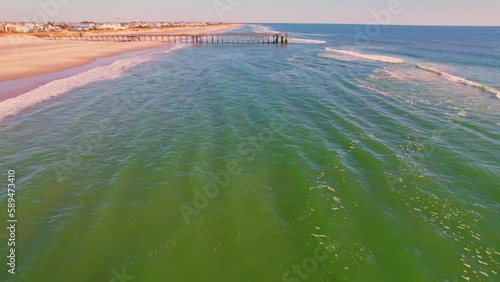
(264, 163)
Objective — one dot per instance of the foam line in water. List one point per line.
(262, 29)
(372, 88)
(458, 79)
(267, 29)
(14, 106)
(55, 88)
(393, 60)
(316, 34)
(378, 58)
(339, 57)
(305, 41)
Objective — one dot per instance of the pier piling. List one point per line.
(231, 38)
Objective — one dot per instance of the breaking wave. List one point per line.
(458, 79)
(371, 87)
(339, 57)
(348, 55)
(58, 87)
(262, 29)
(266, 29)
(316, 34)
(378, 58)
(305, 41)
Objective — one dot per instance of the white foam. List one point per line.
(372, 88)
(378, 58)
(385, 73)
(338, 57)
(305, 41)
(316, 34)
(458, 79)
(262, 29)
(175, 47)
(13, 106)
(393, 60)
(267, 29)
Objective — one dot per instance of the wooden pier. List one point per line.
(228, 38)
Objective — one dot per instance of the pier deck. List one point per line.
(236, 38)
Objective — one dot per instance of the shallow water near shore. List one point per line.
(12, 88)
(267, 163)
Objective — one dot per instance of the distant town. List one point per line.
(27, 27)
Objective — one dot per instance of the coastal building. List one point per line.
(30, 27)
(84, 26)
(80, 27)
(16, 28)
(49, 27)
(109, 26)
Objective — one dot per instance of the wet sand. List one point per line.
(24, 56)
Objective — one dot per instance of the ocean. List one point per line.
(345, 155)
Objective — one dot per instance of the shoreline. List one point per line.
(25, 56)
(13, 88)
(54, 75)
(39, 57)
(105, 69)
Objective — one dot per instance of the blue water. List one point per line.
(313, 164)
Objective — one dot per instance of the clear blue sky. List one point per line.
(427, 12)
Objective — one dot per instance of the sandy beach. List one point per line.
(24, 56)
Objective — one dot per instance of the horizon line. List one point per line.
(329, 23)
(312, 23)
